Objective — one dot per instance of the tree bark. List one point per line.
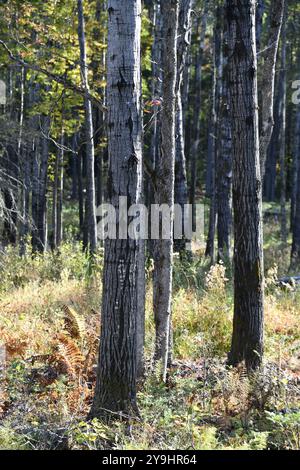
(181, 190)
(295, 255)
(282, 136)
(163, 251)
(116, 374)
(196, 114)
(269, 56)
(224, 165)
(90, 152)
(247, 338)
(213, 136)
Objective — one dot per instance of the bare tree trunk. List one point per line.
(197, 111)
(181, 190)
(269, 56)
(272, 155)
(224, 165)
(295, 167)
(214, 135)
(156, 95)
(90, 152)
(247, 339)
(260, 8)
(163, 251)
(54, 205)
(282, 138)
(116, 375)
(35, 194)
(60, 191)
(42, 192)
(295, 255)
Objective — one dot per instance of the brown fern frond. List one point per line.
(90, 357)
(74, 323)
(68, 356)
(15, 345)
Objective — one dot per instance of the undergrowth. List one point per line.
(49, 337)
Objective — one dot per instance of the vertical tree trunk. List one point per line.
(54, 204)
(42, 193)
(214, 136)
(260, 8)
(116, 375)
(224, 164)
(90, 153)
(35, 195)
(60, 190)
(247, 339)
(80, 194)
(196, 114)
(272, 156)
(269, 56)
(282, 135)
(295, 167)
(181, 190)
(98, 67)
(163, 251)
(295, 256)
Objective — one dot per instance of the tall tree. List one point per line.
(213, 134)
(90, 151)
(197, 110)
(295, 255)
(282, 134)
(165, 170)
(116, 375)
(247, 338)
(224, 163)
(181, 190)
(268, 57)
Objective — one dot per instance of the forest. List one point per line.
(150, 225)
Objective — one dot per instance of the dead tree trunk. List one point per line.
(90, 152)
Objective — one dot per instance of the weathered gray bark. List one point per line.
(39, 240)
(54, 206)
(282, 136)
(260, 8)
(196, 114)
(267, 82)
(60, 190)
(272, 155)
(181, 190)
(116, 375)
(98, 67)
(213, 136)
(90, 152)
(165, 170)
(224, 164)
(247, 339)
(156, 95)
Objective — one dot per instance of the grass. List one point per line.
(49, 374)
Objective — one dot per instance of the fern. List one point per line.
(68, 355)
(74, 323)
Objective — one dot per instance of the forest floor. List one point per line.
(49, 327)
